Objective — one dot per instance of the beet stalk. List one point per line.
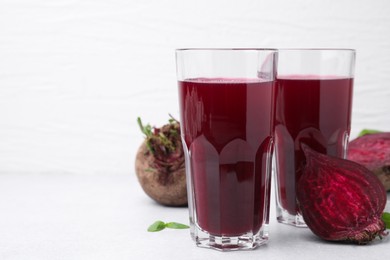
(341, 200)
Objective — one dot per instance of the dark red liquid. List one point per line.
(313, 111)
(227, 128)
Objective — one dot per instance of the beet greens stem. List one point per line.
(147, 130)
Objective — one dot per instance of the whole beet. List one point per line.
(340, 200)
(160, 166)
(373, 152)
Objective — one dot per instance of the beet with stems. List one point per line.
(340, 200)
(160, 164)
(373, 151)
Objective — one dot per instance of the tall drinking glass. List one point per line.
(313, 98)
(226, 115)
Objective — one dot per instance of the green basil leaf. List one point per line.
(176, 225)
(156, 226)
(368, 131)
(386, 219)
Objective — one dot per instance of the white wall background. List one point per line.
(74, 75)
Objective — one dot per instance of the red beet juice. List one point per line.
(313, 110)
(227, 129)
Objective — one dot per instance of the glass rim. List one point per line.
(226, 49)
(317, 49)
(265, 49)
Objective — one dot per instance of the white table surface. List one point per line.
(58, 216)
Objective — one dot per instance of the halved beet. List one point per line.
(373, 152)
(340, 200)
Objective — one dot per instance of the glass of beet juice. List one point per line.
(227, 127)
(313, 99)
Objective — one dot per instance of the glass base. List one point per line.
(286, 218)
(247, 241)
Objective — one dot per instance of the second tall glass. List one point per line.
(313, 100)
